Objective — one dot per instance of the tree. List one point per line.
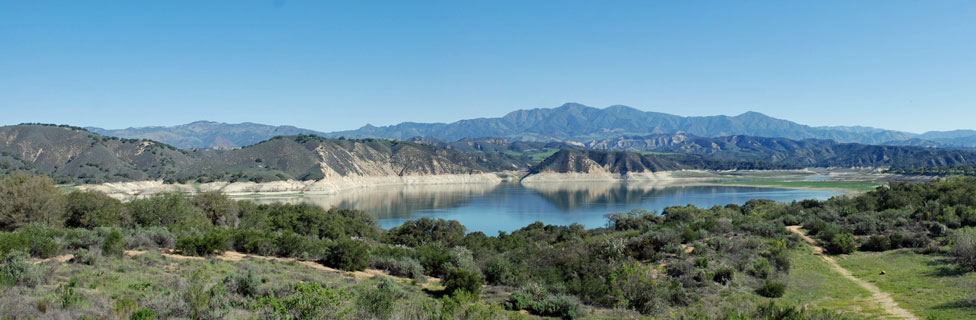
(220, 209)
(90, 209)
(426, 230)
(26, 199)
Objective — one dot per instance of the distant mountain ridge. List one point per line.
(570, 123)
(580, 123)
(207, 134)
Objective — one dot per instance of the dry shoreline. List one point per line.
(332, 186)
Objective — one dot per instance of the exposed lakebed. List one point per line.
(507, 207)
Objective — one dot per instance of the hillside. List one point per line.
(313, 158)
(580, 123)
(803, 153)
(207, 134)
(620, 162)
(72, 154)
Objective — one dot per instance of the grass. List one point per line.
(538, 157)
(811, 282)
(840, 185)
(927, 285)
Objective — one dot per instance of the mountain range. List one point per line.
(571, 123)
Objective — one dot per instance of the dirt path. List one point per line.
(881, 297)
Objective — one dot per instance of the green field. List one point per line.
(811, 282)
(840, 185)
(925, 284)
(538, 157)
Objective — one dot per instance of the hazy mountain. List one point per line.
(207, 134)
(580, 123)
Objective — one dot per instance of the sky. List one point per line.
(328, 66)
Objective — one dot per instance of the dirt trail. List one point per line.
(882, 298)
(237, 256)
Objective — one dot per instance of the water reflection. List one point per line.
(507, 207)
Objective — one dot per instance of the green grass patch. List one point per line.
(811, 282)
(538, 157)
(842, 185)
(928, 285)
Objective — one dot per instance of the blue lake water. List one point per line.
(508, 207)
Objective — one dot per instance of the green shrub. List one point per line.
(218, 208)
(348, 254)
(379, 302)
(16, 270)
(88, 257)
(463, 280)
(536, 300)
(90, 209)
(724, 275)
(876, 243)
(772, 289)
(67, 297)
(307, 301)
(26, 199)
(244, 285)
(964, 247)
(114, 244)
(400, 267)
(842, 243)
(171, 210)
(212, 242)
(500, 271)
(426, 230)
(143, 314)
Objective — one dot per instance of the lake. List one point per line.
(508, 207)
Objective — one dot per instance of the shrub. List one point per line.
(536, 300)
(202, 245)
(26, 199)
(143, 314)
(308, 301)
(842, 243)
(90, 209)
(348, 254)
(203, 300)
(400, 267)
(724, 275)
(88, 257)
(772, 289)
(15, 270)
(379, 301)
(876, 243)
(170, 210)
(67, 297)
(36, 240)
(113, 244)
(150, 238)
(500, 271)
(964, 247)
(244, 285)
(463, 280)
(426, 230)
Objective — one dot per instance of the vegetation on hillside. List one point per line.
(721, 262)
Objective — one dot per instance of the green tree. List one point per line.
(90, 209)
(26, 199)
(220, 209)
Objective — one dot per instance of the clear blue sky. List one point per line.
(905, 65)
